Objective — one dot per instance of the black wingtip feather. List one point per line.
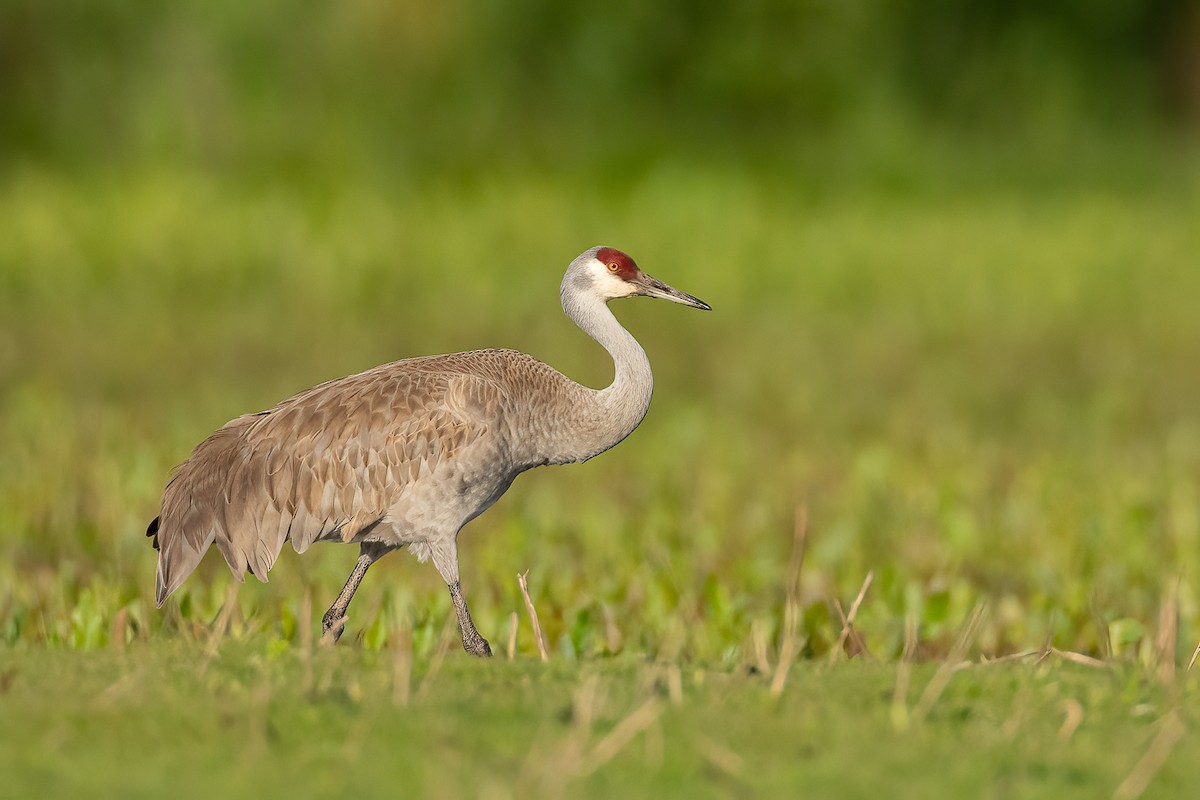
(152, 530)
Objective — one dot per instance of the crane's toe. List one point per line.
(332, 625)
(477, 645)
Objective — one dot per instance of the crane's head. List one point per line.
(609, 274)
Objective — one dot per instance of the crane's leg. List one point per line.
(445, 558)
(473, 643)
(334, 621)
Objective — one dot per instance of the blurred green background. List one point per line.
(951, 248)
(952, 251)
(398, 94)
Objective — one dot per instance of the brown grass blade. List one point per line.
(116, 636)
(1074, 716)
(675, 684)
(758, 641)
(612, 633)
(1019, 656)
(787, 648)
(900, 718)
(720, 756)
(1168, 632)
(1153, 759)
(937, 684)
(848, 622)
(439, 655)
(221, 626)
(1078, 658)
(533, 617)
(306, 641)
(513, 624)
(619, 737)
(1195, 655)
(402, 664)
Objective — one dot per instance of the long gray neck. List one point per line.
(607, 416)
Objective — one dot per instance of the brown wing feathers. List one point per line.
(331, 459)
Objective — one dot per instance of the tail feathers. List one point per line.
(177, 557)
(209, 499)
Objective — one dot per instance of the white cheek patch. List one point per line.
(612, 286)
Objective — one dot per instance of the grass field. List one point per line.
(981, 391)
(259, 720)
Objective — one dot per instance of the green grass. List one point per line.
(980, 392)
(257, 719)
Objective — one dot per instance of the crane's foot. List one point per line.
(473, 643)
(476, 645)
(332, 625)
(334, 621)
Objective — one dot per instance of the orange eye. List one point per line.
(612, 266)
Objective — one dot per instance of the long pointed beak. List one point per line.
(653, 287)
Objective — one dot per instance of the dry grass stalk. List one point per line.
(322, 687)
(841, 613)
(402, 664)
(120, 623)
(1195, 655)
(1104, 635)
(258, 732)
(116, 692)
(937, 684)
(513, 624)
(619, 737)
(329, 638)
(985, 661)
(612, 634)
(1153, 759)
(1074, 716)
(1047, 647)
(549, 767)
(848, 631)
(305, 625)
(1021, 705)
(904, 673)
(584, 707)
(191, 630)
(220, 627)
(675, 684)
(720, 756)
(439, 655)
(355, 737)
(533, 617)
(653, 747)
(910, 638)
(552, 763)
(787, 648)
(758, 640)
(1168, 632)
(1078, 658)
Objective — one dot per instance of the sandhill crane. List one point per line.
(406, 454)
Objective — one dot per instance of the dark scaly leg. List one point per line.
(445, 558)
(473, 643)
(334, 621)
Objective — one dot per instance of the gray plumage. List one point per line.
(405, 454)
